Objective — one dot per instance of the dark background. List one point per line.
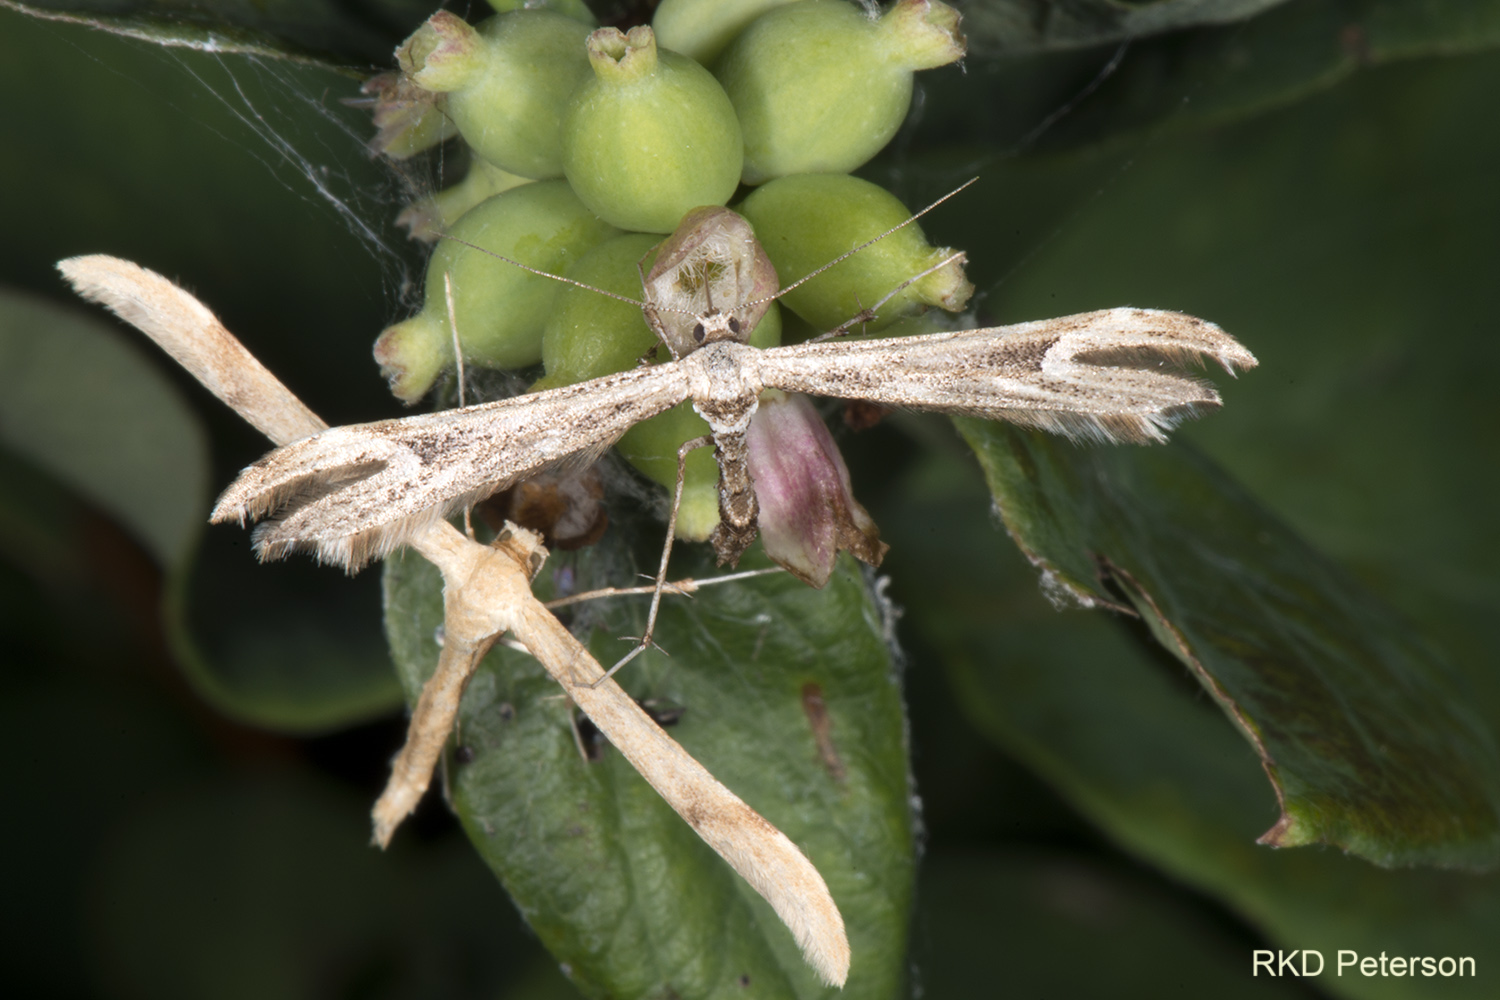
(1342, 225)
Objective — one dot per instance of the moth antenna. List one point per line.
(865, 315)
(538, 271)
(681, 312)
(458, 350)
(458, 367)
(843, 257)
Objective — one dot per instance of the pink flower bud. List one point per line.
(807, 510)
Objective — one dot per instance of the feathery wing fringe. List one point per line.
(1107, 376)
(353, 494)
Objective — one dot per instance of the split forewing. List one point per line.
(356, 493)
(1043, 374)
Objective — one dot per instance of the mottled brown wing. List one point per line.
(1106, 376)
(353, 494)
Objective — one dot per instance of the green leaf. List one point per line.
(1013, 103)
(1287, 55)
(1362, 727)
(264, 885)
(79, 400)
(1043, 904)
(1095, 706)
(280, 249)
(259, 654)
(1347, 241)
(1298, 232)
(616, 885)
(322, 31)
(1016, 26)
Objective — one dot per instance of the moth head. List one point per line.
(711, 281)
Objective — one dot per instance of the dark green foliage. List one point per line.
(1324, 547)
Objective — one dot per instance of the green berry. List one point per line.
(701, 29)
(426, 217)
(501, 309)
(505, 82)
(589, 335)
(820, 87)
(651, 446)
(650, 136)
(807, 220)
(576, 9)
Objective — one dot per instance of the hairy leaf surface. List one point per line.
(787, 695)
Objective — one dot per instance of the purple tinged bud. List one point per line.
(807, 509)
(408, 119)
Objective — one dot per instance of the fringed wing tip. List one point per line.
(810, 913)
(89, 274)
(1236, 360)
(1143, 338)
(225, 513)
(1231, 355)
(288, 532)
(829, 959)
(1151, 427)
(351, 553)
(1200, 338)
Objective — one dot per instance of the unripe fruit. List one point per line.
(576, 9)
(819, 87)
(807, 220)
(589, 335)
(426, 217)
(701, 29)
(650, 136)
(506, 82)
(501, 309)
(651, 446)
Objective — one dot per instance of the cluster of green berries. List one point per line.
(589, 144)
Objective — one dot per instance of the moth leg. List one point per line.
(583, 752)
(666, 553)
(432, 721)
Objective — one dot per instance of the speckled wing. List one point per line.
(1112, 375)
(353, 494)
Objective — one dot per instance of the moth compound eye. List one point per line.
(698, 332)
(734, 325)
